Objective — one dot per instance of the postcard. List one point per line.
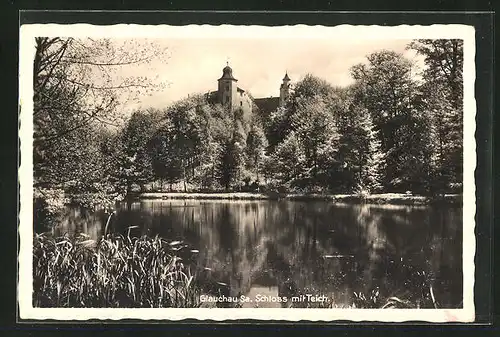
(296, 173)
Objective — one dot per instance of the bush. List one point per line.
(47, 204)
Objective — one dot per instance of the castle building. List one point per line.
(233, 97)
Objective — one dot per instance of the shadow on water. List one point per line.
(291, 248)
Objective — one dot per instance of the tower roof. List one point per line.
(286, 78)
(227, 74)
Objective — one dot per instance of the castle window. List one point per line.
(227, 87)
(241, 103)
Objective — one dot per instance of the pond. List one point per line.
(268, 250)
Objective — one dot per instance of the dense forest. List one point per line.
(397, 128)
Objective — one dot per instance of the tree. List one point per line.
(311, 86)
(256, 145)
(233, 156)
(360, 155)
(134, 161)
(164, 155)
(76, 93)
(443, 89)
(190, 142)
(75, 79)
(229, 163)
(191, 137)
(311, 114)
(286, 166)
(444, 67)
(373, 165)
(387, 88)
(315, 129)
(308, 88)
(278, 127)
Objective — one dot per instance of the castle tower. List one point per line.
(227, 89)
(284, 90)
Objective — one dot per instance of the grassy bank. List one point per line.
(385, 198)
(116, 271)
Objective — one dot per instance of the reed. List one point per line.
(115, 271)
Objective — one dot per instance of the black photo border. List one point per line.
(484, 95)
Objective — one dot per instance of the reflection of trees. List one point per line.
(410, 259)
(75, 220)
(229, 237)
(390, 248)
(308, 247)
(305, 267)
(445, 245)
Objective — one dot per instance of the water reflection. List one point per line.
(295, 248)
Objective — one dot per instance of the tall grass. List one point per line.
(115, 271)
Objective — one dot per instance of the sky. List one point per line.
(258, 55)
(194, 64)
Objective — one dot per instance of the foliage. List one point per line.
(202, 144)
(116, 271)
(189, 141)
(361, 156)
(76, 96)
(308, 89)
(47, 204)
(421, 296)
(386, 132)
(388, 90)
(444, 67)
(318, 137)
(255, 149)
(133, 163)
(307, 124)
(372, 168)
(286, 165)
(164, 155)
(230, 162)
(232, 157)
(380, 134)
(443, 89)
(312, 87)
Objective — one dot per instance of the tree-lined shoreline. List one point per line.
(384, 198)
(395, 129)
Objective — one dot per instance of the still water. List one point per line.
(276, 249)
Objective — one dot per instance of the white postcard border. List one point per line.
(25, 287)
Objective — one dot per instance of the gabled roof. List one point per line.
(268, 104)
